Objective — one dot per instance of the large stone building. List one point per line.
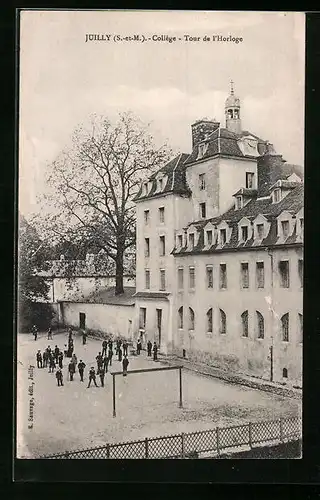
(220, 253)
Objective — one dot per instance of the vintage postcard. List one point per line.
(160, 240)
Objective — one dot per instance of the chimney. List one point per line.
(201, 129)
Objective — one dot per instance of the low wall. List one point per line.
(111, 319)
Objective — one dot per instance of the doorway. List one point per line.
(82, 321)
(159, 324)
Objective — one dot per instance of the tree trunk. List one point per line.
(119, 272)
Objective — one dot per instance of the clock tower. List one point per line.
(232, 112)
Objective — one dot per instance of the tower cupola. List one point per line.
(232, 112)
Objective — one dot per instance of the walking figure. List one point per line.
(101, 375)
(35, 332)
(84, 338)
(56, 353)
(59, 376)
(60, 359)
(52, 364)
(120, 354)
(39, 359)
(125, 348)
(155, 352)
(110, 345)
(139, 346)
(104, 348)
(81, 367)
(125, 363)
(45, 358)
(99, 359)
(50, 333)
(149, 348)
(110, 354)
(105, 363)
(92, 376)
(74, 360)
(71, 370)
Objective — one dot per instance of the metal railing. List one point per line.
(190, 444)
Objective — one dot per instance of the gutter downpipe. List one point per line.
(272, 315)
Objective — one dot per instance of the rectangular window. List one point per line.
(223, 276)
(209, 276)
(160, 184)
(147, 277)
(145, 188)
(238, 202)
(285, 327)
(244, 274)
(285, 228)
(147, 247)
(142, 317)
(180, 278)
(202, 182)
(300, 327)
(209, 238)
(260, 274)
(284, 273)
(162, 279)
(244, 233)
(300, 271)
(146, 216)
(161, 214)
(203, 210)
(180, 240)
(276, 195)
(162, 246)
(223, 236)
(192, 278)
(260, 231)
(249, 180)
(191, 240)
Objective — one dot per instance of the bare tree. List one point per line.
(93, 183)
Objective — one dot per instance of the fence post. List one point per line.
(182, 445)
(218, 443)
(146, 448)
(250, 435)
(108, 450)
(281, 430)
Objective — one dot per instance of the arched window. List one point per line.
(285, 327)
(300, 326)
(180, 317)
(209, 320)
(285, 373)
(260, 325)
(244, 324)
(223, 322)
(191, 319)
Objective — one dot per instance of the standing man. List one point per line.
(125, 348)
(99, 359)
(104, 347)
(56, 353)
(125, 363)
(70, 334)
(35, 332)
(84, 338)
(71, 370)
(39, 359)
(139, 346)
(105, 363)
(155, 352)
(149, 347)
(50, 333)
(92, 376)
(59, 377)
(60, 359)
(45, 358)
(101, 375)
(52, 364)
(81, 367)
(120, 354)
(110, 354)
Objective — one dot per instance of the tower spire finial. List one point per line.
(231, 87)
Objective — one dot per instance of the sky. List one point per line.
(64, 79)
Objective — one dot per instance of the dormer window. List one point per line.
(244, 233)
(209, 238)
(239, 202)
(260, 231)
(145, 188)
(276, 196)
(191, 240)
(202, 149)
(301, 226)
(180, 240)
(223, 236)
(285, 228)
(160, 184)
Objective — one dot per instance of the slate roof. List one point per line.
(292, 203)
(152, 295)
(106, 296)
(175, 170)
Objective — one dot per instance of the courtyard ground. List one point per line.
(74, 417)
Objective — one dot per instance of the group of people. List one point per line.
(150, 348)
